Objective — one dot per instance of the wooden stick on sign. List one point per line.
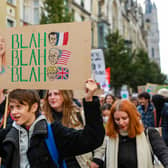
(6, 112)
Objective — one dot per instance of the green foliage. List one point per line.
(145, 71)
(118, 58)
(55, 11)
(127, 67)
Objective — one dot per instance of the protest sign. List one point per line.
(54, 56)
(141, 88)
(98, 67)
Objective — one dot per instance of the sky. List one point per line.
(162, 10)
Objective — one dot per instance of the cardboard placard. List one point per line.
(54, 56)
(98, 67)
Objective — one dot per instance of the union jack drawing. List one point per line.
(62, 73)
(64, 57)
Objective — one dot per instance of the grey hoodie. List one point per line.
(24, 140)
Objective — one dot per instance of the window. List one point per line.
(82, 3)
(26, 13)
(148, 20)
(36, 3)
(92, 33)
(88, 5)
(36, 12)
(78, 1)
(10, 23)
(153, 52)
(36, 16)
(13, 2)
(82, 18)
(101, 34)
(99, 8)
(73, 14)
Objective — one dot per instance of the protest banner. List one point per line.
(53, 56)
(150, 88)
(98, 67)
(160, 87)
(141, 88)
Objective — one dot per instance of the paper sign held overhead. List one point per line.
(54, 56)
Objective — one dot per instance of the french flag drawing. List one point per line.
(62, 38)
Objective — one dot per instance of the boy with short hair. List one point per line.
(23, 146)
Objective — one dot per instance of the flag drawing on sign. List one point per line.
(58, 38)
(64, 57)
(62, 38)
(62, 73)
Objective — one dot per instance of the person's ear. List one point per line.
(34, 107)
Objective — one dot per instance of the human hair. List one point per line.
(145, 95)
(158, 101)
(25, 96)
(51, 33)
(59, 52)
(113, 97)
(106, 106)
(71, 115)
(135, 126)
(134, 100)
(3, 56)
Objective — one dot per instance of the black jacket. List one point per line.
(69, 141)
(158, 146)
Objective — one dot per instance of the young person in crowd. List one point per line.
(2, 110)
(146, 109)
(23, 146)
(127, 144)
(106, 108)
(59, 105)
(2, 55)
(134, 100)
(109, 99)
(161, 107)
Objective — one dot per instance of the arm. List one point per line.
(98, 156)
(158, 146)
(3, 133)
(74, 142)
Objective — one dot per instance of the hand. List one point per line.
(2, 46)
(91, 87)
(94, 165)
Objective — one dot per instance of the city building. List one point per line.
(30, 12)
(138, 29)
(152, 31)
(10, 13)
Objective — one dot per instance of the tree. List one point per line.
(144, 71)
(118, 58)
(55, 11)
(130, 68)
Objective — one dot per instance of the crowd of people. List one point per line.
(95, 132)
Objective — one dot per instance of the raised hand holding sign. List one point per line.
(91, 88)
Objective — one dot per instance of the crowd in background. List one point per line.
(131, 125)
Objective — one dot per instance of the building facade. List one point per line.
(138, 29)
(19, 12)
(151, 27)
(10, 13)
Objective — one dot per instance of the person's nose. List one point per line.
(121, 122)
(52, 96)
(13, 111)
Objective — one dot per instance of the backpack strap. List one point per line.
(52, 146)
